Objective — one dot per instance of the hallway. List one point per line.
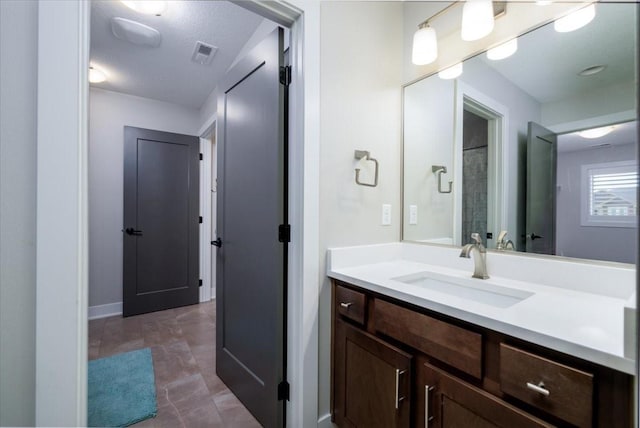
(182, 343)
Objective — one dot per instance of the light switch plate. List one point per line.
(386, 214)
(413, 214)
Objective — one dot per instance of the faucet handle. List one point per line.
(476, 237)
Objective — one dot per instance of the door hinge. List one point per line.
(201, 156)
(200, 219)
(284, 233)
(199, 283)
(285, 75)
(283, 391)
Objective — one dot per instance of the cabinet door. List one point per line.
(372, 381)
(449, 402)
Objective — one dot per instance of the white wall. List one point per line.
(360, 108)
(18, 86)
(617, 244)
(428, 140)
(109, 112)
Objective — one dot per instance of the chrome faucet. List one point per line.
(480, 259)
(503, 245)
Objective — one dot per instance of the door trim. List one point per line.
(67, 128)
(207, 291)
(497, 115)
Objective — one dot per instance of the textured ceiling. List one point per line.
(546, 63)
(167, 73)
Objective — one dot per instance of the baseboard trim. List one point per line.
(325, 421)
(103, 311)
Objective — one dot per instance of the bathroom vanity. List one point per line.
(417, 342)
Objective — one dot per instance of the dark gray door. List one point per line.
(250, 280)
(161, 220)
(542, 155)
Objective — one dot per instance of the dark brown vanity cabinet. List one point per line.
(396, 365)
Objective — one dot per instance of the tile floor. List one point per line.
(182, 343)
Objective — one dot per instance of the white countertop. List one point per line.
(584, 324)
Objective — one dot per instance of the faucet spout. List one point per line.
(479, 259)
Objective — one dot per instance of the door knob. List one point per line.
(217, 243)
(133, 232)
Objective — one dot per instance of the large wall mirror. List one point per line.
(541, 144)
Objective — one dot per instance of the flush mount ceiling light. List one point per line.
(575, 20)
(425, 45)
(477, 19)
(148, 7)
(135, 32)
(503, 51)
(96, 76)
(590, 71)
(596, 132)
(451, 72)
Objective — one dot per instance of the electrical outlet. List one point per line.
(413, 214)
(386, 214)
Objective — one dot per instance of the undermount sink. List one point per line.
(476, 290)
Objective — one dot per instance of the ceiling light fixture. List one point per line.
(503, 51)
(148, 7)
(96, 76)
(425, 45)
(590, 71)
(451, 72)
(477, 19)
(575, 20)
(135, 32)
(596, 132)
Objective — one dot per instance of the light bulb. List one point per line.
(503, 51)
(575, 20)
(451, 72)
(477, 19)
(96, 76)
(425, 46)
(149, 7)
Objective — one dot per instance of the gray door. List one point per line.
(161, 220)
(542, 149)
(251, 261)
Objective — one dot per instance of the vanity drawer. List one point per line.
(453, 345)
(560, 390)
(350, 304)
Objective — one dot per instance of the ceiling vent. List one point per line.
(135, 32)
(203, 53)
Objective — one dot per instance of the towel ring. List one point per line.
(362, 154)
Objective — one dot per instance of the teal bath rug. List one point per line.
(121, 390)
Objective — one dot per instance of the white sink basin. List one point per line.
(477, 290)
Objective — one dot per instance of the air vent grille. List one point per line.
(203, 53)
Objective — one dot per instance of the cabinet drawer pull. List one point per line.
(398, 398)
(427, 399)
(346, 304)
(539, 388)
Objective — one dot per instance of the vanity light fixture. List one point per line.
(96, 76)
(596, 132)
(425, 45)
(504, 50)
(575, 20)
(148, 7)
(451, 72)
(477, 19)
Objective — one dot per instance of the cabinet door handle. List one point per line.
(539, 388)
(398, 398)
(346, 304)
(427, 399)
